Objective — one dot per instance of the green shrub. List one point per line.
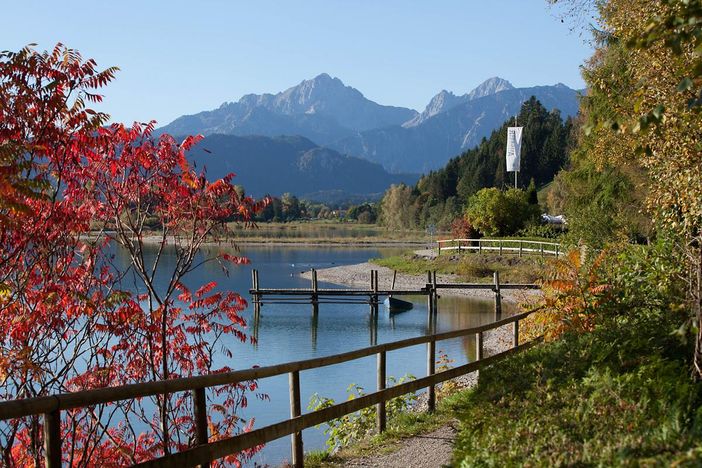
(353, 427)
(497, 213)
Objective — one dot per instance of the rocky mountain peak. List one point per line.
(490, 86)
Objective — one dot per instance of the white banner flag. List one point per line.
(514, 148)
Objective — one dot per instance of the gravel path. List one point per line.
(430, 450)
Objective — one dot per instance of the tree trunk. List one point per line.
(696, 293)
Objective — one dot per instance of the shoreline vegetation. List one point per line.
(309, 233)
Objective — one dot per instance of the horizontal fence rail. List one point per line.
(51, 406)
(516, 246)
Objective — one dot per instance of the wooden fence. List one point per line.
(515, 246)
(205, 452)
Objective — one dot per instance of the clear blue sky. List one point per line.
(179, 57)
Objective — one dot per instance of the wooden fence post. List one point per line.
(52, 439)
(431, 370)
(480, 246)
(439, 245)
(295, 411)
(557, 246)
(515, 339)
(500, 246)
(200, 417)
(381, 379)
(521, 243)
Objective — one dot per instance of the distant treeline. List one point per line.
(289, 208)
(442, 196)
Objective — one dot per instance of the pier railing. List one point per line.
(515, 246)
(207, 451)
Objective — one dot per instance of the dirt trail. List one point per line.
(430, 450)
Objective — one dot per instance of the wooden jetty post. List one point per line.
(315, 288)
(314, 325)
(374, 304)
(498, 297)
(257, 305)
(435, 293)
(479, 349)
(430, 296)
(254, 285)
(374, 287)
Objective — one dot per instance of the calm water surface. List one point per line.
(289, 332)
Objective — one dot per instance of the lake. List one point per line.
(288, 332)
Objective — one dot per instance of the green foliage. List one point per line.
(600, 204)
(497, 213)
(353, 427)
(365, 213)
(618, 395)
(396, 208)
(543, 231)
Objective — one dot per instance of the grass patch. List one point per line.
(620, 396)
(470, 267)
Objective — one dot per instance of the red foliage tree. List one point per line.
(70, 188)
(461, 228)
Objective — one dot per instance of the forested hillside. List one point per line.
(441, 196)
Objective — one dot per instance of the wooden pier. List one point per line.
(315, 295)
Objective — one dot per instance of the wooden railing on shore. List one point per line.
(205, 452)
(516, 246)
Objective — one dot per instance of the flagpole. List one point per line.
(516, 124)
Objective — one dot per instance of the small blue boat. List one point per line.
(395, 305)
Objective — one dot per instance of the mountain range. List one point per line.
(329, 114)
(266, 165)
(425, 144)
(322, 109)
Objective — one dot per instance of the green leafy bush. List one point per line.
(497, 213)
(353, 427)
